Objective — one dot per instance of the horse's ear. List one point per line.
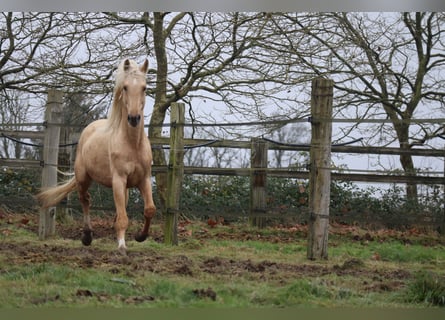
(126, 65)
(144, 67)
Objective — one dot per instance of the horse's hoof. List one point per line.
(87, 237)
(140, 237)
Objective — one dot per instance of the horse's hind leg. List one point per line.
(85, 201)
(149, 209)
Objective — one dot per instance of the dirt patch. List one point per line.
(150, 261)
(139, 263)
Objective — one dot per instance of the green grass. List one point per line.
(48, 284)
(391, 251)
(53, 283)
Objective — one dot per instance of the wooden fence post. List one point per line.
(175, 172)
(53, 117)
(320, 173)
(258, 181)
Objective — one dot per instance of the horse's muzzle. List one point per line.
(134, 121)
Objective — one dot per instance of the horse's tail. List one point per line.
(53, 195)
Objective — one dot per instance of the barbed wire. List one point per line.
(206, 144)
(36, 145)
(308, 144)
(21, 142)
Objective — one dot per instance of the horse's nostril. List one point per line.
(134, 121)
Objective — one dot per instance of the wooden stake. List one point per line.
(320, 173)
(175, 173)
(258, 181)
(53, 117)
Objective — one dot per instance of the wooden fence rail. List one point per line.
(337, 174)
(245, 144)
(299, 174)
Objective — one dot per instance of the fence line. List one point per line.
(189, 143)
(253, 171)
(245, 144)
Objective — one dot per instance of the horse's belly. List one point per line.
(101, 178)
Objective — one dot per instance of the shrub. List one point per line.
(17, 187)
(287, 200)
(211, 195)
(19, 181)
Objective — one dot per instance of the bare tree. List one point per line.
(75, 52)
(384, 66)
(219, 57)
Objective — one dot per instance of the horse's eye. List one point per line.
(125, 88)
(143, 89)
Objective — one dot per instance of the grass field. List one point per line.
(225, 266)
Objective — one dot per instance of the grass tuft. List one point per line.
(427, 287)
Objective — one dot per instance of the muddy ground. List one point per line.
(140, 263)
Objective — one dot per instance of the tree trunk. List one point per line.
(408, 168)
(160, 106)
(155, 130)
(406, 160)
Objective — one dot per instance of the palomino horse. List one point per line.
(116, 153)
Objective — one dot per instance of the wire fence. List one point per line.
(18, 138)
(278, 210)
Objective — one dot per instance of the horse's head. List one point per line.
(132, 94)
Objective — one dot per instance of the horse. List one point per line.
(114, 152)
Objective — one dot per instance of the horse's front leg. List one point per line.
(121, 223)
(149, 208)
